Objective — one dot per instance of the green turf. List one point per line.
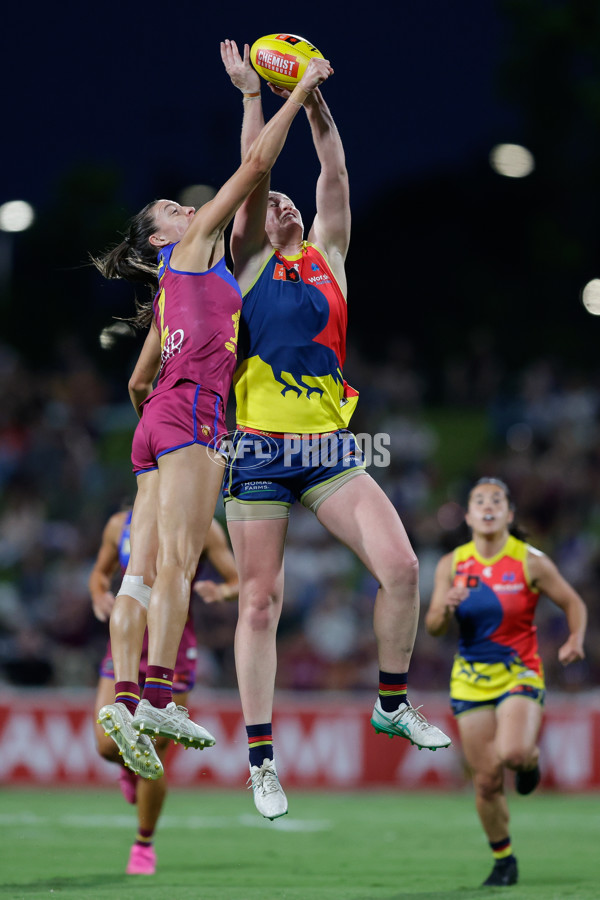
(360, 846)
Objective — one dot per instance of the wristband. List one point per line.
(299, 95)
(251, 96)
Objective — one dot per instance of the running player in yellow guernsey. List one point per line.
(292, 442)
(491, 586)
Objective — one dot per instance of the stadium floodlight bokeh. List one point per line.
(110, 334)
(590, 296)
(16, 215)
(512, 160)
(196, 195)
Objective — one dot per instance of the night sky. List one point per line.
(109, 106)
(139, 87)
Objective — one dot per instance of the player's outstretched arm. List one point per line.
(197, 249)
(244, 77)
(331, 227)
(249, 241)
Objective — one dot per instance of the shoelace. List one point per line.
(188, 728)
(412, 712)
(172, 712)
(265, 780)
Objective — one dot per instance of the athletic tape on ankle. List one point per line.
(133, 586)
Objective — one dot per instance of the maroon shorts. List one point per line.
(182, 415)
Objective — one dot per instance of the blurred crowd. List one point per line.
(65, 438)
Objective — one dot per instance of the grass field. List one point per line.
(360, 846)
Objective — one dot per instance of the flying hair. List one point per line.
(134, 260)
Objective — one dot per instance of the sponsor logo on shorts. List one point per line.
(248, 487)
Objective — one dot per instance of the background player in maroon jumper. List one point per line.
(289, 381)
(491, 585)
(193, 341)
(113, 554)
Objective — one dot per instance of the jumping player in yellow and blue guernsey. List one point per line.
(491, 586)
(292, 441)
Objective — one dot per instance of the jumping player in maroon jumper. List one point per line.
(192, 342)
(113, 554)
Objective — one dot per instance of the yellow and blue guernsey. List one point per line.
(293, 348)
(498, 651)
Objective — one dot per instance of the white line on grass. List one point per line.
(193, 823)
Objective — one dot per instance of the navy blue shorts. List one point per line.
(264, 468)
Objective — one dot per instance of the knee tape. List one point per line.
(133, 586)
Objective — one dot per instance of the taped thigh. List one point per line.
(238, 511)
(313, 498)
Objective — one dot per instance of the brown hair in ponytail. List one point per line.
(134, 260)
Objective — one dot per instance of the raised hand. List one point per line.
(241, 72)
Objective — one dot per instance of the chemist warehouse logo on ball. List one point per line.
(251, 451)
(281, 63)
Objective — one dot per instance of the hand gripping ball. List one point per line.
(282, 58)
